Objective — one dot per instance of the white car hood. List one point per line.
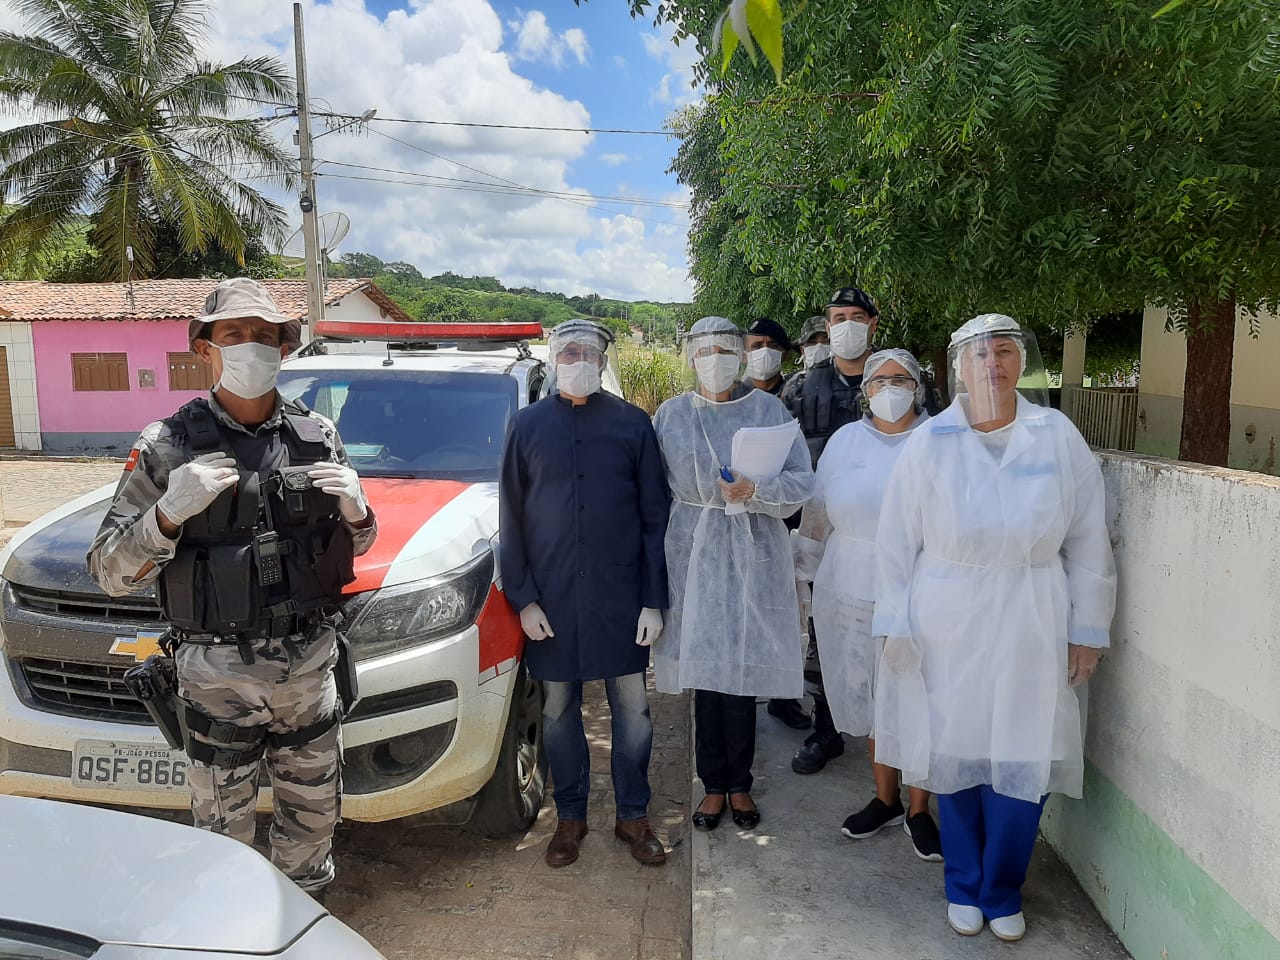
(129, 879)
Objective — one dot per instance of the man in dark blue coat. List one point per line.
(583, 513)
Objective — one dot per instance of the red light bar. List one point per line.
(401, 332)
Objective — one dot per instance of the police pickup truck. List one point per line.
(447, 713)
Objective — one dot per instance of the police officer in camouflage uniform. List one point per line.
(245, 512)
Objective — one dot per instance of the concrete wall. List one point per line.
(1255, 392)
(16, 339)
(1178, 837)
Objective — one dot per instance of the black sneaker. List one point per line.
(873, 818)
(791, 713)
(815, 753)
(924, 837)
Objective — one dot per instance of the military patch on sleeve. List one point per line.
(132, 461)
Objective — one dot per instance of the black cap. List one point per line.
(764, 327)
(853, 297)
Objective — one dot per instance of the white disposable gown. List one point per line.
(733, 625)
(993, 554)
(839, 527)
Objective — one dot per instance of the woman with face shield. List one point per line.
(995, 594)
(731, 634)
(835, 549)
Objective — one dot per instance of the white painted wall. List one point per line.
(1185, 712)
(16, 339)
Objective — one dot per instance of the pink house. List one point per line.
(84, 367)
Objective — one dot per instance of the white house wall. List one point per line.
(15, 337)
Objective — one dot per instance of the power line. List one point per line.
(566, 194)
(504, 126)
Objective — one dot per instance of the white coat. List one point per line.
(733, 625)
(839, 525)
(990, 562)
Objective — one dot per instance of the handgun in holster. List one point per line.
(155, 683)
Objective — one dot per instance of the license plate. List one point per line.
(117, 765)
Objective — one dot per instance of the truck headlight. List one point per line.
(411, 614)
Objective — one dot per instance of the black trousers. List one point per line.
(724, 740)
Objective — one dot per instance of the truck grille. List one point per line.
(82, 690)
(87, 606)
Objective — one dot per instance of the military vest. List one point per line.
(271, 553)
(823, 404)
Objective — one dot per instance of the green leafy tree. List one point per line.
(142, 137)
(1057, 161)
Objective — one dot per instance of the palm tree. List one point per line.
(141, 134)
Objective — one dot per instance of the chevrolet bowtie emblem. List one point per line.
(139, 647)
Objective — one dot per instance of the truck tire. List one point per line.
(510, 801)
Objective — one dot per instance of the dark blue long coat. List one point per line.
(583, 514)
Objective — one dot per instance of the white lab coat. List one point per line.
(733, 623)
(989, 564)
(839, 526)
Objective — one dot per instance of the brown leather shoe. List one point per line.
(563, 849)
(645, 847)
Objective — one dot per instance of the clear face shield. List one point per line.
(988, 367)
(714, 360)
(582, 358)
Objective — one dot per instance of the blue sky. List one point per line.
(493, 61)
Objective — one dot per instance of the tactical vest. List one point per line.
(823, 404)
(269, 556)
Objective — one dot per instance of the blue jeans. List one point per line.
(570, 758)
(987, 839)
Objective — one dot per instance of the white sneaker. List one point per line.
(1009, 928)
(965, 920)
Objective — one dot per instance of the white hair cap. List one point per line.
(904, 359)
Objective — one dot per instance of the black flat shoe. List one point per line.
(707, 821)
(746, 819)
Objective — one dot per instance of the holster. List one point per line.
(155, 683)
(345, 675)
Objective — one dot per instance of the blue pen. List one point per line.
(726, 475)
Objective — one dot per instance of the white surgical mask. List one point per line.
(764, 364)
(815, 353)
(849, 339)
(578, 379)
(249, 370)
(716, 371)
(891, 403)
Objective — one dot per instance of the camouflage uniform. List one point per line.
(289, 686)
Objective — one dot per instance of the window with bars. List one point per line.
(100, 371)
(189, 372)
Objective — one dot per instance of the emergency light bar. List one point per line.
(396, 331)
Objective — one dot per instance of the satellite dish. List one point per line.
(331, 228)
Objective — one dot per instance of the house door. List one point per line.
(6, 403)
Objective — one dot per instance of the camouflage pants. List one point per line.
(287, 691)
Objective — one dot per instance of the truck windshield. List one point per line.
(419, 424)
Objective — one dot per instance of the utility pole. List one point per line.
(307, 201)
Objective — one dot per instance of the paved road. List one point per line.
(423, 890)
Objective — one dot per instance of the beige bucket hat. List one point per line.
(243, 297)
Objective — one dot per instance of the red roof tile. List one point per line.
(160, 299)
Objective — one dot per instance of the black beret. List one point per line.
(853, 297)
(764, 327)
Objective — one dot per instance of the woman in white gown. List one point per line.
(732, 632)
(836, 549)
(995, 595)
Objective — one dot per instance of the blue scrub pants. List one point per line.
(570, 758)
(987, 842)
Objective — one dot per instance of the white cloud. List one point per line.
(613, 159)
(536, 41)
(675, 88)
(450, 60)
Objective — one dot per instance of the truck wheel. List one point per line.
(510, 801)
